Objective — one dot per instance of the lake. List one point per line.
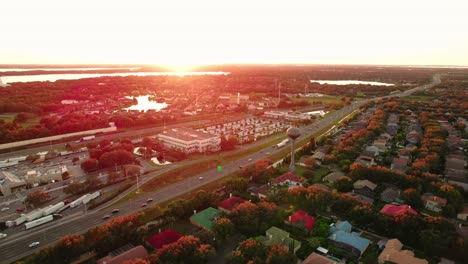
(76, 76)
(144, 104)
(345, 82)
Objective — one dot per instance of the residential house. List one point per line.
(433, 203)
(261, 192)
(463, 215)
(123, 254)
(390, 195)
(350, 244)
(365, 187)
(163, 238)
(399, 164)
(302, 220)
(361, 197)
(393, 254)
(290, 179)
(315, 258)
(280, 237)
(372, 151)
(230, 203)
(413, 137)
(205, 218)
(381, 144)
(333, 176)
(319, 155)
(393, 210)
(366, 161)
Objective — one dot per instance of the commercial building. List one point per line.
(10, 183)
(190, 141)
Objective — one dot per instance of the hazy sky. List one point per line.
(251, 31)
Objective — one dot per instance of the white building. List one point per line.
(10, 183)
(189, 140)
(288, 115)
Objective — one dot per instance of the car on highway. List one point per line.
(2, 235)
(149, 200)
(34, 244)
(106, 217)
(250, 159)
(19, 210)
(5, 209)
(143, 205)
(115, 211)
(200, 178)
(268, 153)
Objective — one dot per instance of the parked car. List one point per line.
(19, 210)
(2, 235)
(5, 209)
(34, 244)
(115, 211)
(149, 200)
(143, 205)
(200, 178)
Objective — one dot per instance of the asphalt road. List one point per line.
(16, 246)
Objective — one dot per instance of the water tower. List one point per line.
(293, 133)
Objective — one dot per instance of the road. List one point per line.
(16, 245)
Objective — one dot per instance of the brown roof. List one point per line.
(134, 253)
(315, 258)
(393, 253)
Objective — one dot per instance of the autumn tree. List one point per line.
(344, 184)
(223, 228)
(255, 219)
(115, 157)
(186, 248)
(37, 197)
(89, 165)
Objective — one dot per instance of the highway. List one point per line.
(15, 246)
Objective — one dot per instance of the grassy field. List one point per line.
(7, 117)
(327, 99)
(422, 98)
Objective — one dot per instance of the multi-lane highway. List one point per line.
(15, 246)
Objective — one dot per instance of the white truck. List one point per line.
(92, 196)
(18, 221)
(39, 221)
(78, 201)
(53, 209)
(34, 215)
(87, 138)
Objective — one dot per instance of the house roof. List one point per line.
(187, 134)
(393, 253)
(353, 239)
(280, 237)
(289, 176)
(261, 190)
(167, 236)
(401, 161)
(315, 258)
(134, 253)
(392, 210)
(332, 177)
(342, 225)
(433, 198)
(205, 218)
(230, 203)
(319, 155)
(390, 194)
(301, 216)
(359, 184)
